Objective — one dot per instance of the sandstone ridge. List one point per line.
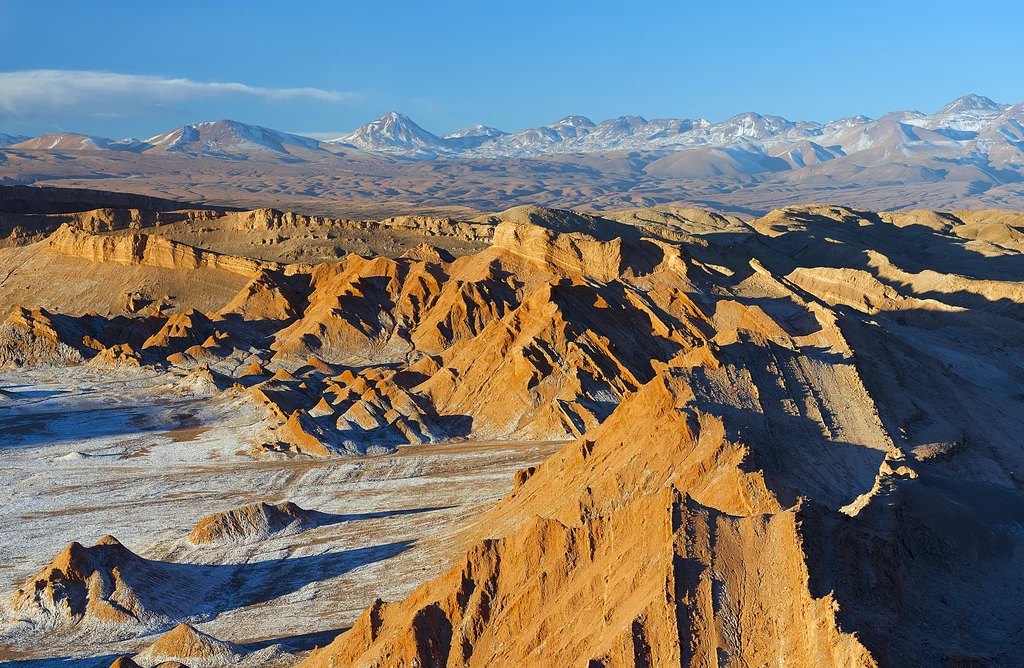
(794, 440)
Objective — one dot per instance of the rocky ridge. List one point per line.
(787, 441)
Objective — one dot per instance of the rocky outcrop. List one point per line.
(179, 332)
(187, 645)
(38, 338)
(661, 581)
(105, 587)
(559, 361)
(574, 253)
(356, 310)
(461, 311)
(373, 406)
(268, 296)
(118, 355)
(272, 219)
(124, 662)
(254, 522)
(148, 250)
(649, 542)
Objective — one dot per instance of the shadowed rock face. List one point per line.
(795, 441)
(644, 585)
(35, 337)
(758, 498)
(106, 584)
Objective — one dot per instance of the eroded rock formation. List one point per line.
(794, 441)
(106, 586)
(248, 523)
(149, 250)
(188, 646)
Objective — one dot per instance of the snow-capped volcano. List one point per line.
(750, 126)
(971, 129)
(972, 102)
(471, 137)
(970, 113)
(228, 139)
(393, 133)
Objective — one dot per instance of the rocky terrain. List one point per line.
(661, 436)
(968, 155)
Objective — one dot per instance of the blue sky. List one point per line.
(138, 68)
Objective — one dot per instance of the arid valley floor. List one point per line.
(532, 437)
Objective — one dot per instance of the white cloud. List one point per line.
(108, 93)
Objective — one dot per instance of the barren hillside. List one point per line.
(660, 436)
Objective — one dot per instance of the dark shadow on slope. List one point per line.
(928, 574)
(71, 420)
(912, 248)
(251, 584)
(14, 393)
(170, 592)
(319, 519)
(62, 662)
(303, 642)
(952, 388)
(799, 453)
(25, 199)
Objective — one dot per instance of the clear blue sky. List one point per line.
(451, 64)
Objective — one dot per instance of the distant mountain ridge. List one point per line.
(7, 140)
(962, 120)
(221, 139)
(972, 131)
(228, 138)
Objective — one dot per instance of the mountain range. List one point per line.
(972, 128)
(968, 154)
(222, 139)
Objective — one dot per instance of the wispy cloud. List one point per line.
(89, 93)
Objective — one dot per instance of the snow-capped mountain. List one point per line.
(969, 113)
(69, 141)
(471, 137)
(394, 133)
(800, 143)
(578, 134)
(228, 139)
(10, 140)
(971, 130)
(221, 139)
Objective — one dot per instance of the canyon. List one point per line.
(530, 436)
